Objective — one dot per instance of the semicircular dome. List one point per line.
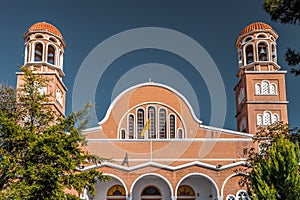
(256, 26)
(44, 26)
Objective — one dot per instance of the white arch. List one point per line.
(148, 84)
(197, 174)
(224, 183)
(119, 179)
(152, 174)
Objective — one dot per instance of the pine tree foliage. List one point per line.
(272, 172)
(40, 158)
(286, 11)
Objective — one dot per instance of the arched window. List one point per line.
(51, 55)
(273, 88)
(172, 126)
(275, 118)
(257, 89)
(162, 124)
(38, 52)
(59, 98)
(116, 190)
(27, 53)
(123, 134)
(152, 125)
(185, 190)
(259, 119)
(131, 126)
(180, 133)
(241, 96)
(264, 87)
(249, 54)
(267, 118)
(151, 191)
(140, 122)
(243, 124)
(262, 51)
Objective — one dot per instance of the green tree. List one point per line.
(272, 173)
(286, 11)
(40, 158)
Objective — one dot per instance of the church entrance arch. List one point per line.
(196, 186)
(114, 189)
(151, 187)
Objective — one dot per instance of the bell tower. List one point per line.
(44, 50)
(260, 91)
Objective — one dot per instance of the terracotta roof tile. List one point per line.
(44, 26)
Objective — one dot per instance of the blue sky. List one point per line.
(85, 24)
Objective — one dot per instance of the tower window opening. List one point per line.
(51, 55)
(38, 52)
(27, 59)
(140, 122)
(262, 52)
(162, 123)
(249, 54)
(172, 126)
(131, 126)
(273, 53)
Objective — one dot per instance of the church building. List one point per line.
(159, 149)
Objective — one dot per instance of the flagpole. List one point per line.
(151, 148)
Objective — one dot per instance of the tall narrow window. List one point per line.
(273, 53)
(51, 55)
(180, 133)
(38, 52)
(162, 124)
(267, 118)
(273, 88)
(259, 119)
(249, 54)
(275, 118)
(257, 89)
(59, 98)
(140, 122)
(123, 134)
(264, 87)
(27, 53)
(131, 126)
(152, 125)
(172, 126)
(262, 52)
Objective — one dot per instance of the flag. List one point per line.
(146, 127)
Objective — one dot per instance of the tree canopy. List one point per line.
(272, 172)
(286, 11)
(40, 150)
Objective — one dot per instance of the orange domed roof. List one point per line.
(256, 26)
(44, 26)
